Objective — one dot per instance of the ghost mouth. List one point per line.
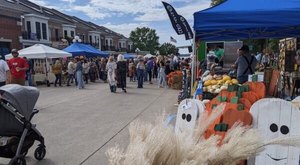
(275, 158)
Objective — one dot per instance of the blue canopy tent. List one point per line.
(245, 19)
(100, 53)
(129, 56)
(78, 49)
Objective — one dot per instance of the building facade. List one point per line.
(23, 23)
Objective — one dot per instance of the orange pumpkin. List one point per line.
(229, 95)
(247, 104)
(251, 96)
(258, 87)
(232, 116)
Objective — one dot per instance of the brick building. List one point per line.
(23, 23)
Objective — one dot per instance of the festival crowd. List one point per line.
(81, 70)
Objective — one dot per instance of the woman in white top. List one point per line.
(111, 67)
(85, 71)
(4, 73)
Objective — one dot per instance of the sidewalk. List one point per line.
(80, 125)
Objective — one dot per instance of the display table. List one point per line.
(42, 78)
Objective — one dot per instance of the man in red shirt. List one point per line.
(18, 67)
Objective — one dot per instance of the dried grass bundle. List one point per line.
(156, 144)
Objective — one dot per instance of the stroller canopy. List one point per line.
(23, 98)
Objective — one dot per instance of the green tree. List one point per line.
(215, 2)
(167, 48)
(145, 39)
(260, 45)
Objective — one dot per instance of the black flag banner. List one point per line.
(174, 18)
(179, 23)
(187, 29)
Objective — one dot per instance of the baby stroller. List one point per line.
(17, 133)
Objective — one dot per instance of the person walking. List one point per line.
(140, 69)
(111, 67)
(4, 73)
(57, 71)
(162, 75)
(102, 68)
(71, 70)
(155, 71)
(86, 69)
(18, 67)
(78, 72)
(131, 70)
(29, 72)
(93, 71)
(121, 72)
(150, 67)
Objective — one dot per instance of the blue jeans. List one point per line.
(79, 79)
(162, 80)
(242, 79)
(29, 78)
(140, 77)
(57, 79)
(70, 78)
(145, 75)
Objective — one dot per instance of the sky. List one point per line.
(123, 16)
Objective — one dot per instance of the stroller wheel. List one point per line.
(40, 153)
(18, 161)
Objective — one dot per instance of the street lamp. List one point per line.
(137, 50)
(76, 39)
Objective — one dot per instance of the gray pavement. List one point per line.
(80, 125)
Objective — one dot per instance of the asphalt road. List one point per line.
(80, 125)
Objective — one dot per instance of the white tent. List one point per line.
(149, 56)
(40, 51)
(44, 53)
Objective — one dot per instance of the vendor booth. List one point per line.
(236, 20)
(42, 56)
(253, 19)
(78, 49)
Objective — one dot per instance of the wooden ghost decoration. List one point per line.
(187, 115)
(276, 118)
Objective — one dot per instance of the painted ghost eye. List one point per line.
(284, 129)
(273, 127)
(183, 116)
(188, 118)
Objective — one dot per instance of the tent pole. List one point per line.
(194, 63)
(47, 74)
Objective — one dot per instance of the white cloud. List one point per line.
(69, 1)
(124, 29)
(160, 14)
(142, 10)
(39, 2)
(92, 12)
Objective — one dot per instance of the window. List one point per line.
(106, 42)
(28, 29)
(90, 39)
(72, 34)
(120, 45)
(124, 45)
(56, 35)
(38, 30)
(44, 30)
(110, 41)
(65, 33)
(95, 39)
(82, 38)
